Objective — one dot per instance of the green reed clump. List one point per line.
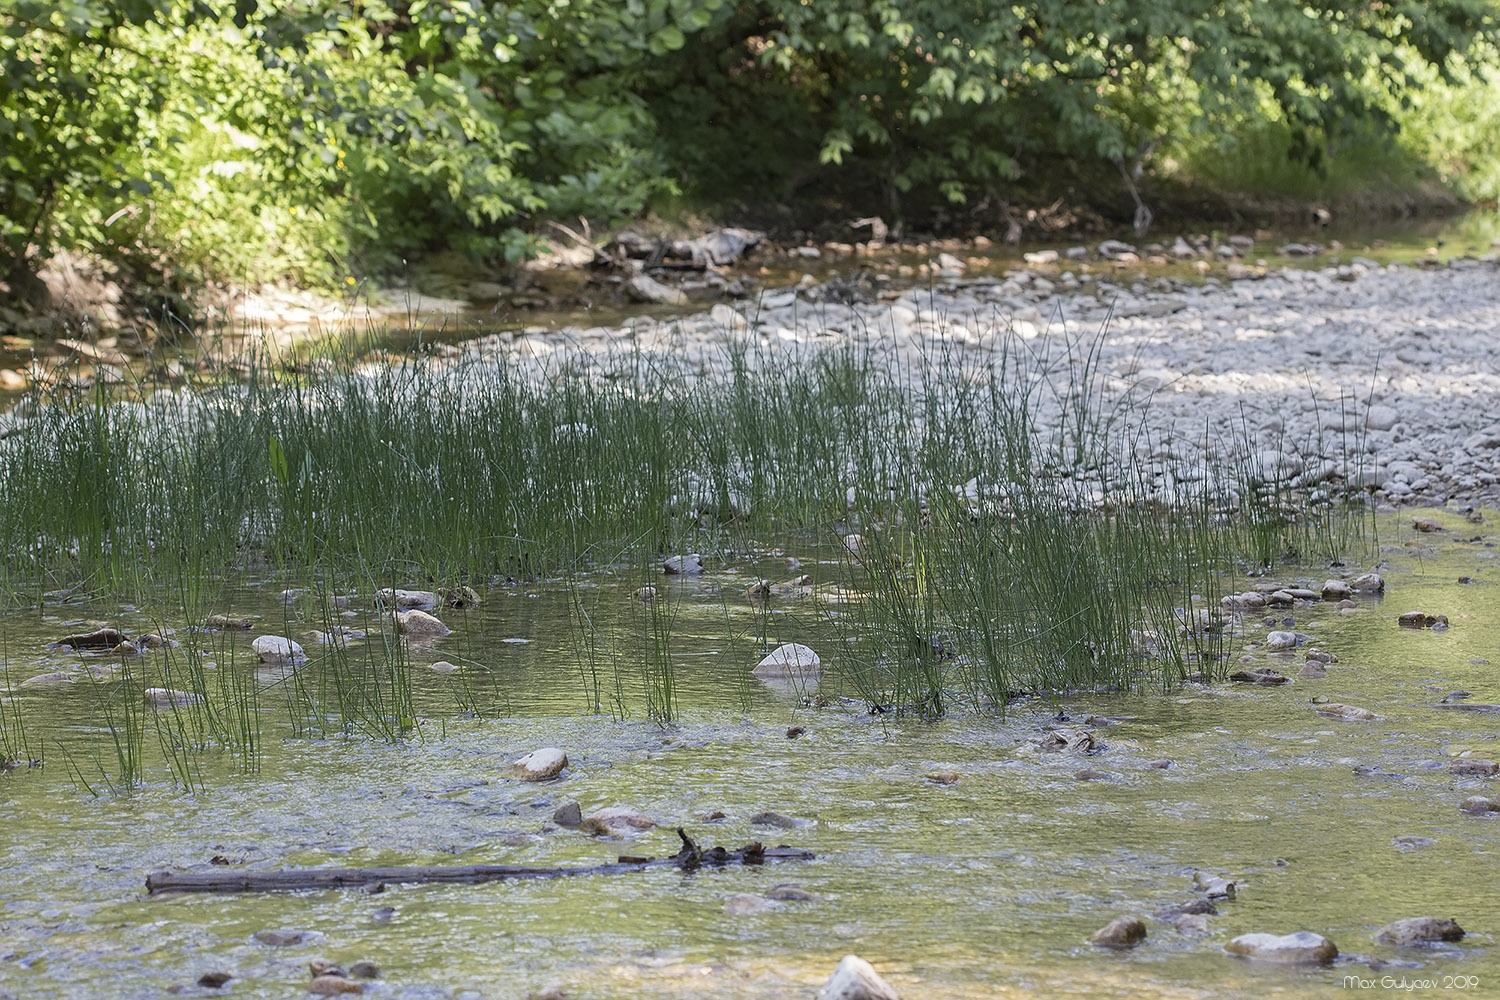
(1013, 538)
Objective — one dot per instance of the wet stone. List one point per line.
(285, 938)
(540, 765)
(685, 565)
(1191, 924)
(615, 821)
(1419, 930)
(1214, 886)
(1300, 948)
(333, 986)
(1421, 619)
(569, 814)
(420, 623)
(214, 980)
(364, 969)
(1313, 670)
(1121, 932)
(790, 659)
(790, 892)
(278, 649)
(165, 698)
(856, 979)
(1336, 590)
(325, 967)
(1191, 906)
(1348, 713)
(775, 819)
(745, 904)
(1089, 774)
(1160, 765)
(1262, 676)
(1479, 805)
(1368, 583)
(99, 640)
(1280, 640)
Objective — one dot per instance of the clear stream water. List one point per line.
(986, 887)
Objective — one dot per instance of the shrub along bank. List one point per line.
(194, 141)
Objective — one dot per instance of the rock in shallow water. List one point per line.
(99, 640)
(333, 986)
(856, 979)
(615, 821)
(1419, 930)
(406, 600)
(540, 765)
(166, 698)
(420, 623)
(688, 565)
(1121, 932)
(1277, 641)
(1479, 805)
(1349, 713)
(1301, 948)
(790, 659)
(278, 649)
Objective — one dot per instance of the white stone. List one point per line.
(278, 649)
(540, 765)
(790, 659)
(1303, 947)
(856, 979)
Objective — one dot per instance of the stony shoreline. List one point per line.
(1390, 374)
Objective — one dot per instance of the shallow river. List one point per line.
(988, 886)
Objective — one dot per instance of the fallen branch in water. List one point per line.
(691, 856)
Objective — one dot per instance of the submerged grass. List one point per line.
(1011, 533)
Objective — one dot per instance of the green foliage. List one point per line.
(957, 101)
(317, 140)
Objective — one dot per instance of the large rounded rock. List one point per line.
(1419, 930)
(420, 624)
(856, 979)
(1121, 932)
(279, 650)
(790, 659)
(1277, 641)
(1301, 948)
(688, 565)
(540, 765)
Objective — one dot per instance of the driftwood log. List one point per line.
(690, 857)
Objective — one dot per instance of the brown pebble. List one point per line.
(214, 980)
(333, 986)
(1121, 932)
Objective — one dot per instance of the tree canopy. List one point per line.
(318, 138)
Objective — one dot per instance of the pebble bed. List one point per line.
(1382, 377)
